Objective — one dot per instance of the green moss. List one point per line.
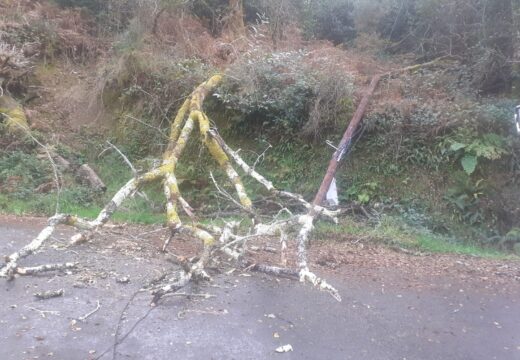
(175, 129)
(15, 119)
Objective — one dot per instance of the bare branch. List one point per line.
(89, 314)
(232, 241)
(130, 165)
(44, 268)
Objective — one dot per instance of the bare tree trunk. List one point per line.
(345, 142)
(235, 23)
(515, 84)
(500, 41)
(353, 125)
(156, 20)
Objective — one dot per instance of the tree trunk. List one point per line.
(156, 21)
(353, 125)
(515, 85)
(235, 23)
(229, 240)
(345, 141)
(499, 40)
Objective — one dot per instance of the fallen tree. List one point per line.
(226, 240)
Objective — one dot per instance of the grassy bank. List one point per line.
(395, 232)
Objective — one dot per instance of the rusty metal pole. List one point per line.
(347, 137)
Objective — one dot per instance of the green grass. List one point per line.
(390, 230)
(14, 206)
(437, 244)
(393, 231)
(346, 228)
(131, 214)
(79, 200)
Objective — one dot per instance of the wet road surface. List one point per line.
(249, 316)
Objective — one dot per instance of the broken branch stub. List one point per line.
(231, 242)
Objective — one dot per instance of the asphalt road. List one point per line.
(249, 316)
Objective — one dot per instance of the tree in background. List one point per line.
(478, 32)
(497, 46)
(481, 33)
(329, 19)
(235, 19)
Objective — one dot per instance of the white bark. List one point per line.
(230, 241)
(44, 268)
(268, 184)
(307, 275)
(128, 189)
(12, 260)
(307, 224)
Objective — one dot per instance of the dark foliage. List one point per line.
(478, 32)
(331, 20)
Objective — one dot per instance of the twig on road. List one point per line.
(87, 315)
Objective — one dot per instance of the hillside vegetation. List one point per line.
(437, 158)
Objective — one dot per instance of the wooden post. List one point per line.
(347, 137)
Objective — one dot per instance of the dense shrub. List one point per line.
(111, 15)
(211, 12)
(94, 5)
(283, 95)
(21, 173)
(332, 103)
(330, 19)
(479, 32)
(269, 91)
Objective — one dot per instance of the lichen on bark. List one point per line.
(191, 114)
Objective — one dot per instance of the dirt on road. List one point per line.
(395, 305)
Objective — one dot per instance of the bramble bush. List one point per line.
(269, 91)
(330, 19)
(282, 95)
